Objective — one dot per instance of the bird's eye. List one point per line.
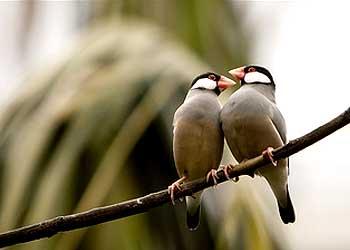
(251, 69)
(212, 77)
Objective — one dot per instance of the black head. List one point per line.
(211, 81)
(253, 74)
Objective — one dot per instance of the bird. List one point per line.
(252, 124)
(197, 137)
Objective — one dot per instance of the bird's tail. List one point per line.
(287, 212)
(193, 211)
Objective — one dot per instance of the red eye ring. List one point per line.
(251, 69)
(212, 77)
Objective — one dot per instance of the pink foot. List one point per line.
(213, 174)
(226, 168)
(267, 153)
(175, 186)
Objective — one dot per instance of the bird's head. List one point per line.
(212, 81)
(252, 74)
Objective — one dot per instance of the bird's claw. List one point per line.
(213, 174)
(226, 168)
(251, 174)
(172, 188)
(267, 153)
(171, 191)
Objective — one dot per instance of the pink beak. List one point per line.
(225, 83)
(238, 73)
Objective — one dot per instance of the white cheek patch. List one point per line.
(251, 77)
(204, 83)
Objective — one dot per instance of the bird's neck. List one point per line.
(195, 92)
(267, 90)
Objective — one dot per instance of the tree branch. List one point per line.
(99, 215)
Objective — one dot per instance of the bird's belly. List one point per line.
(250, 137)
(197, 165)
(197, 150)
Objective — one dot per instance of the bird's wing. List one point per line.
(279, 123)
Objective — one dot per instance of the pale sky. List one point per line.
(308, 51)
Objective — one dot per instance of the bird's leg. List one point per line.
(267, 153)
(226, 168)
(213, 174)
(176, 185)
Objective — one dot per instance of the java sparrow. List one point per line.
(197, 137)
(252, 124)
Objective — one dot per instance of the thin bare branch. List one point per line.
(99, 215)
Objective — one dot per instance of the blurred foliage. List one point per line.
(245, 225)
(211, 29)
(96, 128)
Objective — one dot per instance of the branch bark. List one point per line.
(142, 204)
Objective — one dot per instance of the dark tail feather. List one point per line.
(193, 211)
(287, 213)
(193, 219)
